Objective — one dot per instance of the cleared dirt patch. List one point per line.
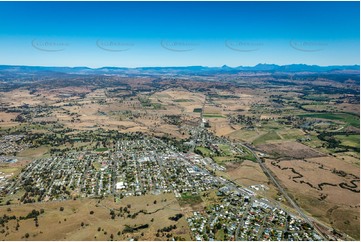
(289, 149)
(247, 173)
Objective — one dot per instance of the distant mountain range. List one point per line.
(296, 68)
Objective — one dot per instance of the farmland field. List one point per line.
(344, 117)
(81, 219)
(270, 136)
(180, 121)
(323, 186)
(349, 140)
(174, 150)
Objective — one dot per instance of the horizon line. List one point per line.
(80, 66)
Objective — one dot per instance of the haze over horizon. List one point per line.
(183, 66)
(169, 34)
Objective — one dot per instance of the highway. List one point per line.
(272, 178)
(284, 193)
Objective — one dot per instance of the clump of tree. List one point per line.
(112, 214)
(167, 229)
(5, 218)
(176, 217)
(33, 214)
(129, 229)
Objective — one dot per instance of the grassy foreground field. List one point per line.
(91, 219)
(349, 140)
(272, 135)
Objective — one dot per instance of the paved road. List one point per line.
(269, 174)
(284, 193)
(313, 222)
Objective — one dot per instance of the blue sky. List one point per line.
(133, 34)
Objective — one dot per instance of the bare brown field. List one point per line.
(181, 93)
(247, 173)
(7, 117)
(332, 162)
(230, 105)
(349, 157)
(247, 97)
(180, 99)
(322, 186)
(345, 219)
(19, 97)
(351, 225)
(290, 149)
(96, 110)
(208, 109)
(9, 125)
(67, 224)
(239, 102)
(143, 119)
(348, 107)
(220, 126)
